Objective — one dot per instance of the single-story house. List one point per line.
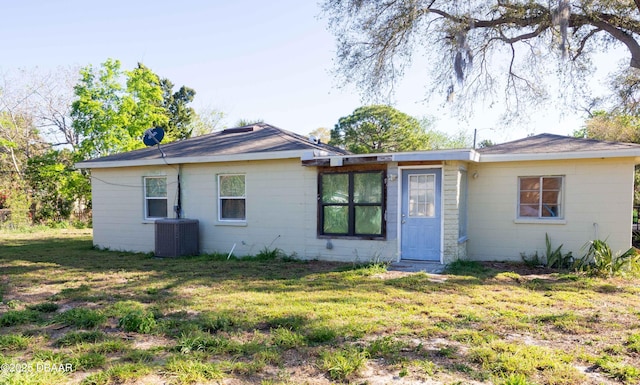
(259, 186)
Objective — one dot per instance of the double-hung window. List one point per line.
(232, 197)
(540, 197)
(351, 204)
(155, 197)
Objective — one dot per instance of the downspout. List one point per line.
(178, 208)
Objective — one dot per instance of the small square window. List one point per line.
(540, 197)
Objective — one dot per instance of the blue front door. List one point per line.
(421, 216)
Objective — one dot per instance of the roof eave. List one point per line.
(252, 156)
(467, 155)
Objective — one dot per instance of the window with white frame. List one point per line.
(540, 197)
(232, 197)
(155, 197)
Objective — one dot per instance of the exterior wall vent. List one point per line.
(176, 237)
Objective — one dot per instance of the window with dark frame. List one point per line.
(155, 197)
(540, 197)
(351, 204)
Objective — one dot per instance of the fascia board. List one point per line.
(196, 159)
(630, 153)
(434, 155)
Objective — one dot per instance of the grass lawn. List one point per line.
(72, 314)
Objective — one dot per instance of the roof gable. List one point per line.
(257, 138)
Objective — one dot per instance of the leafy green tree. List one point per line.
(206, 121)
(485, 143)
(19, 140)
(480, 47)
(615, 126)
(247, 122)
(611, 126)
(180, 115)
(96, 113)
(379, 128)
(143, 103)
(56, 185)
(110, 117)
(437, 140)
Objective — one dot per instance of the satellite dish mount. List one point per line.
(152, 137)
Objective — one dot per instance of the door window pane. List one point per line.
(422, 196)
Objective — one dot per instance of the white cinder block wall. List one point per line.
(118, 206)
(281, 209)
(598, 203)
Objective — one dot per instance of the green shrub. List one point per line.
(14, 342)
(213, 323)
(321, 335)
(88, 361)
(267, 254)
(287, 338)
(555, 258)
(139, 356)
(293, 322)
(618, 369)
(82, 318)
(109, 346)
(44, 307)
(343, 363)
(386, 347)
(201, 342)
(74, 338)
(189, 371)
(467, 268)
(633, 343)
(139, 321)
(72, 293)
(119, 374)
(516, 379)
(19, 317)
(599, 260)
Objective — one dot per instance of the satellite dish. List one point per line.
(153, 136)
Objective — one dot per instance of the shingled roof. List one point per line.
(549, 144)
(256, 138)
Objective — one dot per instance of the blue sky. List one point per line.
(249, 59)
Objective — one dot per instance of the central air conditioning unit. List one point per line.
(177, 237)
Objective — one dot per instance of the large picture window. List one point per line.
(155, 197)
(231, 197)
(540, 197)
(352, 204)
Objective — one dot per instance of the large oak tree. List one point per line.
(498, 49)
